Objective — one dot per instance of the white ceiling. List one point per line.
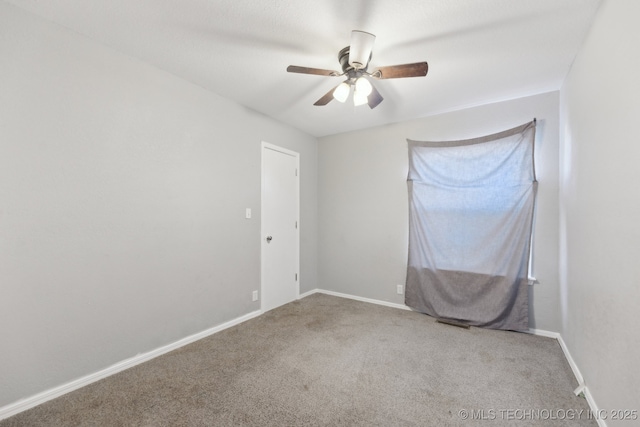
(479, 51)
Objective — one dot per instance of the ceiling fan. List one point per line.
(354, 60)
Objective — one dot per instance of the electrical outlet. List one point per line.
(399, 289)
(254, 296)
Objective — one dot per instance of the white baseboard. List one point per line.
(572, 363)
(593, 406)
(306, 294)
(357, 298)
(582, 387)
(543, 333)
(30, 402)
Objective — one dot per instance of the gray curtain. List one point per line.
(471, 206)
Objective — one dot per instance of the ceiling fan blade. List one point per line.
(326, 98)
(374, 98)
(360, 49)
(307, 70)
(418, 69)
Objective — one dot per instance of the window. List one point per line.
(471, 215)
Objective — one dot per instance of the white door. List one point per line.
(280, 205)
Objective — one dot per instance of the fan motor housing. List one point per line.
(343, 58)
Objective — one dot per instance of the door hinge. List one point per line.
(296, 225)
(296, 172)
(296, 277)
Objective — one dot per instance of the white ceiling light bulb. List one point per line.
(341, 93)
(359, 98)
(363, 86)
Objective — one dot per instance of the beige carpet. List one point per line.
(328, 361)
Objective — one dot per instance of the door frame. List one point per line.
(267, 146)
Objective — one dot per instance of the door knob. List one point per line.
(269, 239)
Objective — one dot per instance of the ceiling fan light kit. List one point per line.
(341, 93)
(359, 99)
(354, 60)
(363, 86)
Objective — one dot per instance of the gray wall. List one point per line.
(122, 198)
(362, 200)
(600, 209)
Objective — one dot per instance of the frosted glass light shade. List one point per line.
(363, 86)
(360, 48)
(359, 98)
(341, 93)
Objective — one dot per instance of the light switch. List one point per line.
(247, 213)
